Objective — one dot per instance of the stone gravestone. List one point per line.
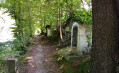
(48, 30)
(11, 66)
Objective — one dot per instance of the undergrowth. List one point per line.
(70, 62)
(2, 66)
(16, 49)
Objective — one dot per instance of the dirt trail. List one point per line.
(39, 60)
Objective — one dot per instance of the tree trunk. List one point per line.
(105, 45)
(29, 18)
(20, 30)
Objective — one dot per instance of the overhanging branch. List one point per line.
(2, 19)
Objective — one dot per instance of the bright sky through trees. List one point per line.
(5, 24)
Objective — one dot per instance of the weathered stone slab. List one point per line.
(11, 66)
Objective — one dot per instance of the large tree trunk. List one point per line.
(105, 45)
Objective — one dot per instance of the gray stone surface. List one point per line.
(78, 37)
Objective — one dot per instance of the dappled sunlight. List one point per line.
(44, 42)
(30, 61)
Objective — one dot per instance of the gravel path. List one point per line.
(39, 60)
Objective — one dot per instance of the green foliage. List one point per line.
(3, 66)
(84, 67)
(19, 46)
(6, 50)
(31, 13)
(71, 64)
(83, 16)
(24, 29)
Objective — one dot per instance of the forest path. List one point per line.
(39, 60)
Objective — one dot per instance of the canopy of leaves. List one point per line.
(83, 16)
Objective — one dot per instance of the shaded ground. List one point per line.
(39, 60)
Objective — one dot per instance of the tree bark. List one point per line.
(105, 44)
